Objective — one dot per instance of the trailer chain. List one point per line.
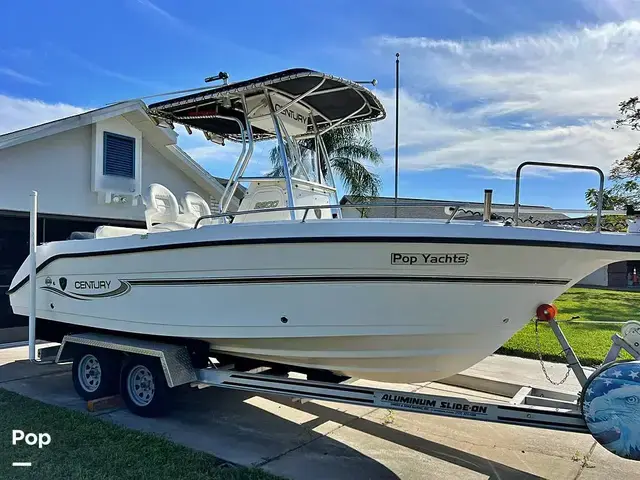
(544, 370)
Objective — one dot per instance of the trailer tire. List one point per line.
(143, 387)
(95, 373)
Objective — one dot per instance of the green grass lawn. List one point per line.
(590, 341)
(85, 447)
(597, 305)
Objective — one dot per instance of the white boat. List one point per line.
(286, 280)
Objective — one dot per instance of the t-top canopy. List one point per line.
(294, 93)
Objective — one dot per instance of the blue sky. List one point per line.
(485, 84)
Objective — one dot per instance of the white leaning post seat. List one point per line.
(109, 231)
(162, 210)
(194, 207)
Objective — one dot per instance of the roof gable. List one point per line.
(67, 123)
(134, 111)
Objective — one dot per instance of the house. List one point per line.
(616, 275)
(89, 170)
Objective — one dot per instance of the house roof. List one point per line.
(435, 209)
(240, 192)
(135, 112)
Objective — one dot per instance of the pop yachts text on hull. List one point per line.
(295, 283)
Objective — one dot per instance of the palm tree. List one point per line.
(347, 148)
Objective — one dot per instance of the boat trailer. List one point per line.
(145, 374)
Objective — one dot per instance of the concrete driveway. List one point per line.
(324, 440)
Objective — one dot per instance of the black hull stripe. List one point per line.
(336, 239)
(345, 279)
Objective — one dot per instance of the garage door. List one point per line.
(14, 248)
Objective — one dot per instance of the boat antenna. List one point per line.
(224, 76)
(164, 94)
(373, 82)
(397, 115)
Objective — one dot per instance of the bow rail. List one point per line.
(451, 210)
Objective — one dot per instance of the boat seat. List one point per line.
(194, 207)
(82, 236)
(162, 210)
(170, 227)
(109, 231)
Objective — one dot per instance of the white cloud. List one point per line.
(9, 72)
(463, 7)
(613, 9)
(198, 34)
(18, 113)
(100, 70)
(546, 97)
(164, 14)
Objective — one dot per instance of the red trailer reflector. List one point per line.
(546, 312)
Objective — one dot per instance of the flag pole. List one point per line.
(397, 115)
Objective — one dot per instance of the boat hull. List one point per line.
(395, 310)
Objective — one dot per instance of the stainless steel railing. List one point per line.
(560, 165)
(452, 209)
(305, 208)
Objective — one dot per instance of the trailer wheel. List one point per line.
(95, 373)
(144, 388)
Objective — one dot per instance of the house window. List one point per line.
(119, 155)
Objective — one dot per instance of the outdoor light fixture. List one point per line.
(212, 137)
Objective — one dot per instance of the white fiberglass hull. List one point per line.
(390, 301)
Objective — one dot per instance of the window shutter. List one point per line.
(119, 155)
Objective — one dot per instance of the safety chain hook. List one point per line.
(544, 369)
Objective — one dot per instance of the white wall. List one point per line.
(157, 169)
(599, 278)
(59, 168)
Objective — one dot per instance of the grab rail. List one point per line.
(560, 165)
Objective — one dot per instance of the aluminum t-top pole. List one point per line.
(283, 154)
